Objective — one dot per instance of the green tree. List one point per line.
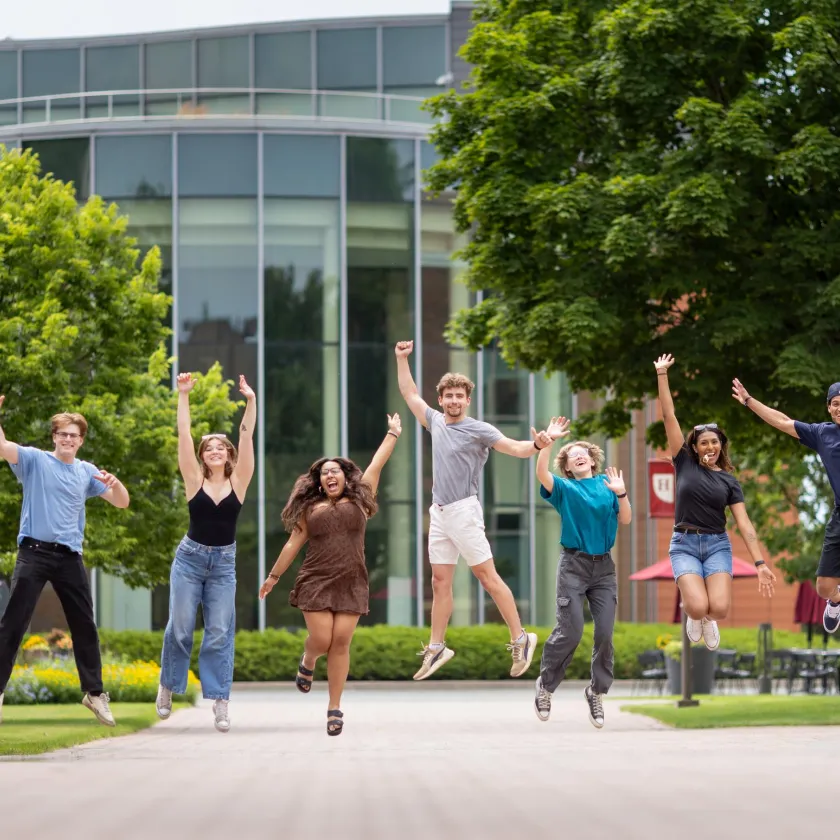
(83, 330)
(656, 176)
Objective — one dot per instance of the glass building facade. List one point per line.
(280, 171)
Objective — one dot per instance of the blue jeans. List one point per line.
(203, 575)
(700, 554)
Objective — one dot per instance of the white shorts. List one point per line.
(458, 529)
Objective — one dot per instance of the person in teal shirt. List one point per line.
(591, 506)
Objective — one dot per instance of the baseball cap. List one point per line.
(833, 391)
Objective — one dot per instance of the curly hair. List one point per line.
(455, 380)
(232, 455)
(308, 491)
(724, 462)
(561, 462)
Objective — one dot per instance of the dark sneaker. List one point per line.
(542, 701)
(596, 707)
(831, 617)
(432, 660)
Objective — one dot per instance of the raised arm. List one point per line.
(190, 469)
(290, 550)
(766, 578)
(8, 450)
(615, 481)
(672, 427)
(557, 428)
(243, 472)
(769, 415)
(408, 388)
(381, 456)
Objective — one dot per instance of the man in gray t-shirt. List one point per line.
(460, 447)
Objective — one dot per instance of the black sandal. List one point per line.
(335, 725)
(303, 684)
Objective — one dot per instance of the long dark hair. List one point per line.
(308, 491)
(723, 459)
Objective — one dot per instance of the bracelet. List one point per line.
(622, 496)
(664, 373)
(394, 434)
(747, 400)
(759, 563)
(276, 577)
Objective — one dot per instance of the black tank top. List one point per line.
(212, 524)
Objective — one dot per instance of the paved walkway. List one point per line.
(428, 763)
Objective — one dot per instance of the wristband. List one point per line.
(664, 373)
(747, 399)
(622, 496)
(394, 434)
(276, 577)
(759, 563)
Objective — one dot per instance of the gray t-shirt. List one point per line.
(459, 451)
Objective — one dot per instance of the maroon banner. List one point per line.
(662, 485)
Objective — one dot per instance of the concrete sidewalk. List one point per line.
(462, 763)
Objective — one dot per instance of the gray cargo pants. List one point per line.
(582, 575)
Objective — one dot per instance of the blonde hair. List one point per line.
(561, 462)
(232, 454)
(58, 421)
(455, 380)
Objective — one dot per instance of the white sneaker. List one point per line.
(163, 704)
(432, 660)
(831, 616)
(101, 707)
(542, 701)
(220, 713)
(522, 653)
(711, 634)
(694, 629)
(596, 707)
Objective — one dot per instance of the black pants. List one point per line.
(66, 573)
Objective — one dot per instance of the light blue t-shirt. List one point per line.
(54, 496)
(589, 510)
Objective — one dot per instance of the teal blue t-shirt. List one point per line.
(589, 510)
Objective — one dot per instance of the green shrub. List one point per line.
(390, 653)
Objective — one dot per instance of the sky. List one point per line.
(85, 18)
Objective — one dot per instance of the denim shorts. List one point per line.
(700, 554)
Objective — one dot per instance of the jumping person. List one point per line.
(591, 506)
(460, 448)
(204, 569)
(329, 507)
(700, 551)
(56, 486)
(824, 439)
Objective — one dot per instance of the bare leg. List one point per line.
(827, 587)
(338, 658)
(695, 598)
(719, 588)
(442, 576)
(500, 592)
(320, 627)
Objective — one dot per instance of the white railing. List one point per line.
(195, 103)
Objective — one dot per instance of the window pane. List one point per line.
(380, 169)
(380, 312)
(112, 68)
(402, 104)
(222, 63)
(138, 166)
(283, 61)
(301, 165)
(8, 86)
(47, 72)
(68, 160)
(217, 164)
(168, 66)
(347, 59)
(413, 55)
(217, 310)
(302, 268)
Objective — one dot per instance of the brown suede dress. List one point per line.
(333, 575)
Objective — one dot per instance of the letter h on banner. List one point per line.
(662, 486)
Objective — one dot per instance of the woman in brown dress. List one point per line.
(329, 507)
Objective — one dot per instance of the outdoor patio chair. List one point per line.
(652, 663)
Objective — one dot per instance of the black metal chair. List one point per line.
(652, 663)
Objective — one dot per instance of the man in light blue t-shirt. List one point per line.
(56, 486)
(460, 447)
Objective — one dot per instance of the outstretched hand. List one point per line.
(403, 349)
(615, 480)
(739, 392)
(245, 389)
(558, 427)
(394, 424)
(663, 362)
(766, 581)
(542, 438)
(267, 586)
(186, 383)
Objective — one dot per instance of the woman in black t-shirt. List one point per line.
(701, 555)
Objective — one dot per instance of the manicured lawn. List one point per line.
(30, 730)
(750, 710)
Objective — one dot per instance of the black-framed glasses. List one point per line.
(706, 427)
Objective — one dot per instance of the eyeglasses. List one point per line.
(706, 427)
(219, 435)
(332, 471)
(68, 435)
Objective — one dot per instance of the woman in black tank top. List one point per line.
(204, 570)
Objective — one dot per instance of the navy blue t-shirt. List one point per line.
(824, 439)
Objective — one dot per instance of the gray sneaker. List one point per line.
(220, 713)
(101, 707)
(542, 701)
(163, 704)
(522, 653)
(432, 660)
(596, 707)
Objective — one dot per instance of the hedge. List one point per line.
(383, 652)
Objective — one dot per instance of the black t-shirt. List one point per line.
(703, 494)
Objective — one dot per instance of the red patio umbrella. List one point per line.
(662, 571)
(809, 606)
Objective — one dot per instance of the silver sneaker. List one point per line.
(163, 704)
(522, 653)
(694, 629)
(101, 707)
(220, 712)
(542, 701)
(432, 660)
(711, 634)
(596, 707)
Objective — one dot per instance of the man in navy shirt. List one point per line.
(56, 486)
(824, 439)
